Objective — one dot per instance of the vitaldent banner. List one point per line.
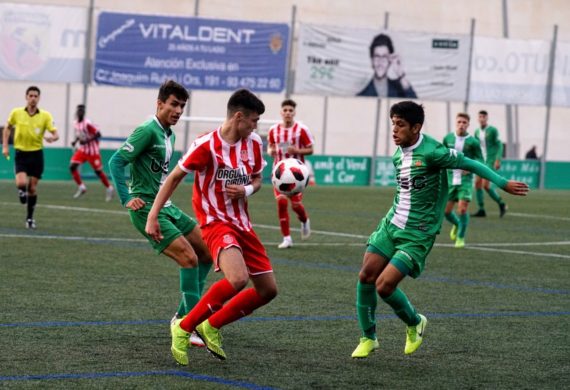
(42, 43)
(142, 51)
(366, 62)
(509, 71)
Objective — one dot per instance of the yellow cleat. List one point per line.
(460, 243)
(415, 336)
(180, 344)
(364, 348)
(453, 233)
(212, 338)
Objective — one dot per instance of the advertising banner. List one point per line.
(42, 43)
(561, 81)
(367, 62)
(135, 50)
(509, 71)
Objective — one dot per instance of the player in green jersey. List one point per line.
(492, 148)
(403, 239)
(460, 182)
(147, 152)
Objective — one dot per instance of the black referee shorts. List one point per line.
(30, 162)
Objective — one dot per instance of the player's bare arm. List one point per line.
(5, 138)
(174, 178)
(52, 137)
(272, 150)
(236, 191)
(304, 151)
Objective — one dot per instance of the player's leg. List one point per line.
(97, 165)
(387, 287)
(32, 201)
(490, 189)
(21, 169)
(462, 207)
(367, 300)
(283, 213)
(450, 215)
(77, 159)
(299, 209)
(204, 257)
(480, 196)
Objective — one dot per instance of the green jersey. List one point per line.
(491, 144)
(422, 185)
(471, 148)
(148, 150)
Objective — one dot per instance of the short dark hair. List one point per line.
(171, 87)
(410, 111)
(289, 102)
(483, 112)
(81, 106)
(243, 100)
(33, 88)
(381, 40)
(463, 115)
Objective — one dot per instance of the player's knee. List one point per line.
(268, 293)
(73, 167)
(366, 277)
(188, 259)
(282, 203)
(98, 173)
(385, 287)
(238, 280)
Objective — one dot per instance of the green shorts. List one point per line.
(406, 249)
(460, 192)
(173, 224)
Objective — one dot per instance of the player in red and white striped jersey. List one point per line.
(87, 136)
(290, 139)
(227, 164)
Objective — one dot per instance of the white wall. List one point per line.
(350, 121)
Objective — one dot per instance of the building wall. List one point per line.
(350, 121)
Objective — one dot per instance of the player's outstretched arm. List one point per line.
(510, 186)
(152, 227)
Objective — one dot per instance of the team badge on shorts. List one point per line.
(228, 239)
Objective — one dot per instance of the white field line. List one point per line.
(473, 246)
(523, 215)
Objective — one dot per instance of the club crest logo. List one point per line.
(24, 41)
(244, 155)
(276, 43)
(228, 239)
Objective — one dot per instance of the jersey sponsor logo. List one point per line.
(233, 176)
(159, 146)
(416, 182)
(158, 167)
(127, 147)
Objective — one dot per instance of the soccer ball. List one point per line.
(290, 176)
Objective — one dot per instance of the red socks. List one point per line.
(300, 211)
(210, 302)
(239, 306)
(282, 204)
(76, 176)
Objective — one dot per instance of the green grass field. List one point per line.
(85, 302)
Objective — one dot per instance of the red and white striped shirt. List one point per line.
(298, 136)
(217, 164)
(87, 132)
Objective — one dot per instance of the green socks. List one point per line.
(479, 194)
(463, 222)
(203, 269)
(399, 302)
(366, 301)
(452, 217)
(494, 195)
(190, 290)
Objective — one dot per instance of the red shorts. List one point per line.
(94, 159)
(221, 235)
(297, 198)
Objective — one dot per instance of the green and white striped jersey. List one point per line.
(471, 148)
(491, 144)
(422, 184)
